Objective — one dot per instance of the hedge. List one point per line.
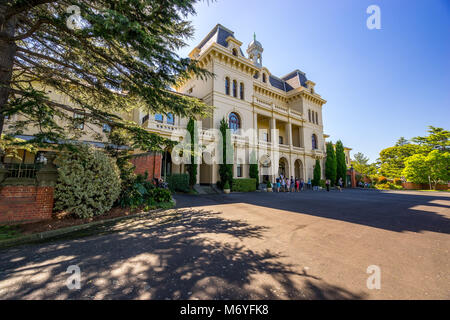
(244, 185)
(178, 182)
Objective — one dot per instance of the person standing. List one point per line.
(340, 184)
(327, 182)
(283, 184)
(309, 183)
(292, 184)
(297, 185)
(288, 185)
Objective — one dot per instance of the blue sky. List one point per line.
(379, 84)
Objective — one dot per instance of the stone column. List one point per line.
(255, 129)
(273, 128)
(289, 133)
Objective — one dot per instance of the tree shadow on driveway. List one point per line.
(388, 210)
(175, 260)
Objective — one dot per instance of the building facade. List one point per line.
(278, 118)
(275, 121)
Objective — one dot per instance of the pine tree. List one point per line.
(330, 163)
(107, 57)
(341, 167)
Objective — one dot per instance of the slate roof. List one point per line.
(218, 35)
(289, 82)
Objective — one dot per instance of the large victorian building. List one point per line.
(280, 118)
(275, 121)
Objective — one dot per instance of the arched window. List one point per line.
(235, 53)
(234, 122)
(235, 88)
(264, 78)
(241, 91)
(227, 86)
(314, 141)
(159, 117)
(170, 118)
(256, 75)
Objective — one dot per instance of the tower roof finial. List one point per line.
(254, 36)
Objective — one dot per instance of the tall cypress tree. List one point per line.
(192, 167)
(253, 171)
(331, 164)
(341, 167)
(316, 177)
(225, 169)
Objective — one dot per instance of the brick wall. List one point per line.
(423, 186)
(25, 203)
(149, 162)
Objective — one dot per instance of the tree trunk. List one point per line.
(7, 53)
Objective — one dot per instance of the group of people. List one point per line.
(286, 184)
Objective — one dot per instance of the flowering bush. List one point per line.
(382, 180)
(88, 182)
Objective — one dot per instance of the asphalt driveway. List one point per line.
(312, 245)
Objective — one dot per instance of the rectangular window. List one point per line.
(265, 137)
(145, 118)
(106, 128)
(280, 140)
(79, 121)
(239, 170)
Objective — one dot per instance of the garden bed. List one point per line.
(14, 231)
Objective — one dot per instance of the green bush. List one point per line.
(88, 182)
(226, 185)
(388, 186)
(160, 195)
(178, 182)
(269, 185)
(397, 181)
(244, 185)
(322, 183)
(137, 192)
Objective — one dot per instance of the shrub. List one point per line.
(322, 183)
(382, 180)
(136, 193)
(88, 182)
(178, 182)
(388, 186)
(382, 186)
(374, 180)
(160, 195)
(269, 185)
(244, 185)
(226, 185)
(397, 181)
